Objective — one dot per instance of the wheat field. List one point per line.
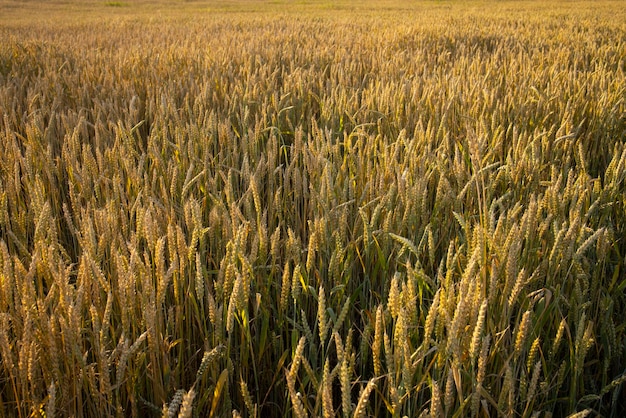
(271, 208)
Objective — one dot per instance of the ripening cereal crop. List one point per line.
(265, 209)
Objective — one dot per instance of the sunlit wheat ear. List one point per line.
(339, 346)
(513, 243)
(256, 197)
(212, 308)
(275, 244)
(292, 246)
(306, 328)
(478, 330)
(296, 282)
(431, 317)
(342, 316)
(522, 332)
(327, 395)
(436, 409)
(393, 301)
(233, 303)
(361, 406)
(209, 358)
(285, 288)
(297, 358)
(296, 399)
(410, 294)
(390, 363)
(480, 375)
(344, 380)
(458, 322)
(558, 337)
(322, 319)
(334, 266)
(186, 407)
(518, 285)
(199, 283)
(449, 395)
(310, 259)
(378, 341)
(532, 353)
(291, 376)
